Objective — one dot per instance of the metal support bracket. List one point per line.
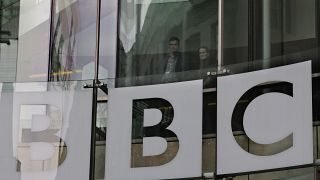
(97, 84)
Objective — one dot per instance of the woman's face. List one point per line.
(203, 53)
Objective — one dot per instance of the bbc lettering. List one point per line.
(40, 133)
(184, 123)
(184, 100)
(278, 120)
(139, 113)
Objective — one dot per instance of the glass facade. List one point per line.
(48, 48)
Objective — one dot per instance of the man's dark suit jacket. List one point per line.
(158, 65)
(152, 69)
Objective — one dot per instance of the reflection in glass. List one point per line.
(33, 44)
(156, 47)
(64, 41)
(36, 135)
(235, 30)
(73, 40)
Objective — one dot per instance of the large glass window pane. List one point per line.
(73, 40)
(157, 47)
(268, 33)
(235, 31)
(288, 32)
(33, 40)
(108, 39)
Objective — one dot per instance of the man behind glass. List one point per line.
(173, 61)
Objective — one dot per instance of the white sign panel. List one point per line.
(41, 125)
(277, 121)
(183, 101)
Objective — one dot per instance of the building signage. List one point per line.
(155, 132)
(157, 158)
(273, 107)
(40, 131)
(277, 121)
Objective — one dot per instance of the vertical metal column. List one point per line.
(96, 83)
(220, 34)
(220, 61)
(251, 33)
(266, 39)
(52, 12)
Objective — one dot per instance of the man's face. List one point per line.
(173, 46)
(203, 53)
